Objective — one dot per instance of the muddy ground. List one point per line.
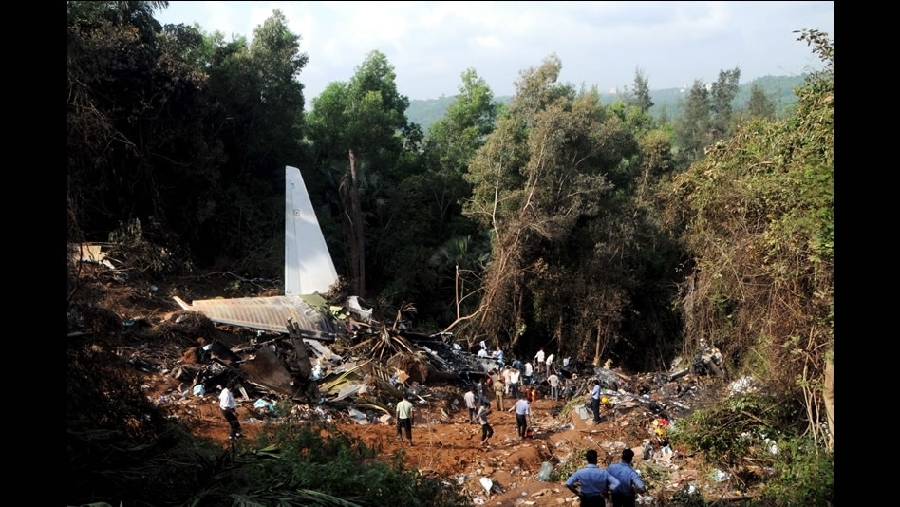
(445, 444)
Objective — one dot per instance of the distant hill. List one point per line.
(779, 88)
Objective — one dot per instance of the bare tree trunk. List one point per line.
(596, 361)
(517, 320)
(828, 395)
(357, 232)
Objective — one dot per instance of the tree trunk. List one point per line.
(357, 232)
(828, 395)
(596, 361)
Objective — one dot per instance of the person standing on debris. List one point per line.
(529, 374)
(523, 411)
(629, 481)
(553, 379)
(517, 364)
(404, 419)
(593, 481)
(595, 401)
(514, 383)
(499, 387)
(226, 404)
(469, 398)
(549, 363)
(539, 357)
(487, 431)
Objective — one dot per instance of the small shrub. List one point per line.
(803, 475)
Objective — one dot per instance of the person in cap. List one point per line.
(593, 483)
(227, 405)
(629, 481)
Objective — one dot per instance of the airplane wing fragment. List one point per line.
(270, 313)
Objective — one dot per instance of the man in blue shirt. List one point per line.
(594, 482)
(523, 410)
(623, 494)
(595, 401)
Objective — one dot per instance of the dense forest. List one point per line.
(596, 228)
(666, 102)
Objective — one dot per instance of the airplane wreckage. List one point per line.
(300, 346)
(297, 359)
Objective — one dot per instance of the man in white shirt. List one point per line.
(549, 363)
(226, 404)
(529, 374)
(554, 386)
(514, 382)
(539, 357)
(469, 398)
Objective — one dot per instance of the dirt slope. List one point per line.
(451, 447)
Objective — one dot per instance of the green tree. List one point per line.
(426, 210)
(760, 105)
(361, 122)
(541, 185)
(758, 217)
(722, 96)
(707, 115)
(255, 109)
(693, 127)
(639, 95)
(135, 142)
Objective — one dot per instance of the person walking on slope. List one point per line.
(594, 482)
(549, 364)
(523, 411)
(469, 398)
(404, 419)
(629, 481)
(487, 431)
(226, 404)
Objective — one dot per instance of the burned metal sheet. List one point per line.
(265, 368)
(270, 313)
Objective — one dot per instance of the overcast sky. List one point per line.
(430, 44)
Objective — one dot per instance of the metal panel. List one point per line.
(269, 313)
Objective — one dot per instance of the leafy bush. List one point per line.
(804, 475)
(292, 463)
(756, 433)
(736, 427)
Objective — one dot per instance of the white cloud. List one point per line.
(431, 43)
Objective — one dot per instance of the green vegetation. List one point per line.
(626, 228)
(667, 102)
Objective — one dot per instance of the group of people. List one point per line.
(594, 486)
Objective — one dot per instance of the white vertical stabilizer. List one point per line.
(307, 264)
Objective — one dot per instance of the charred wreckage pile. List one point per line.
(340, 364)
